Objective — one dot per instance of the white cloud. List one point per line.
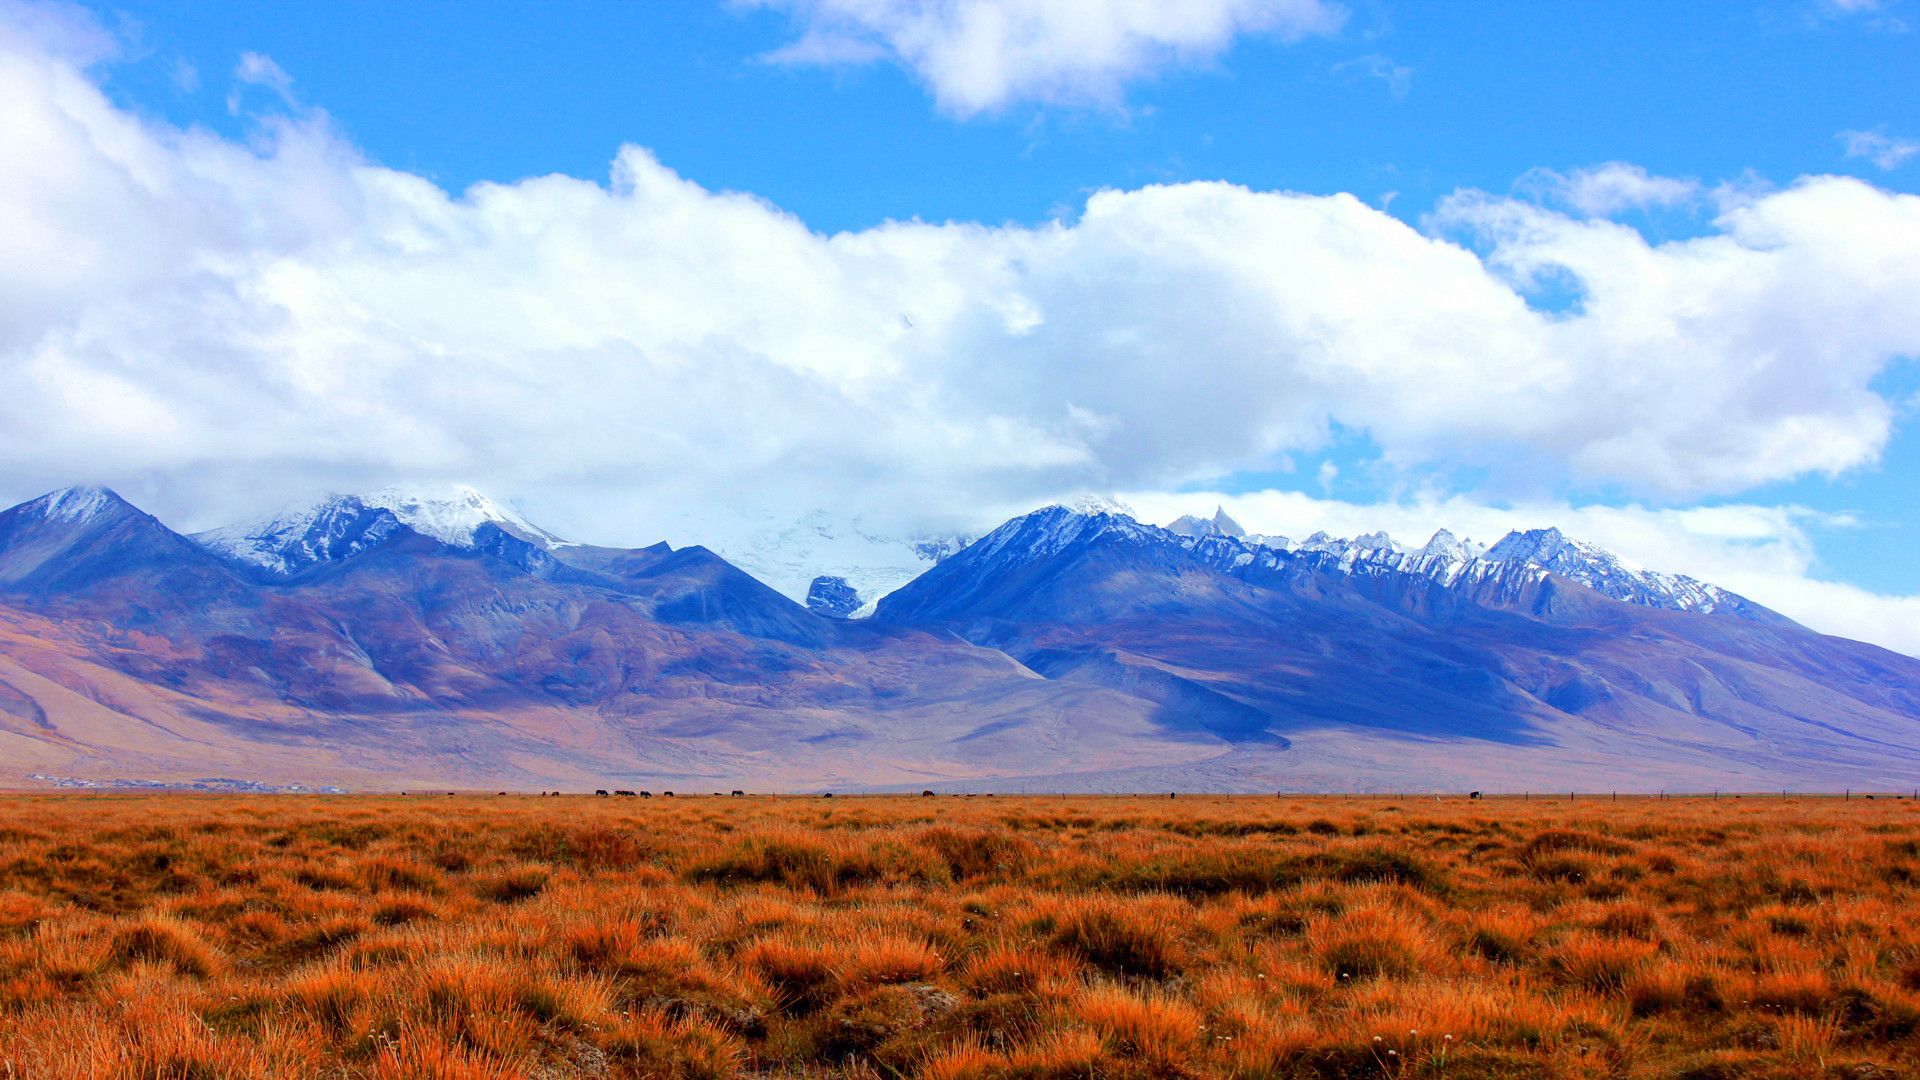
(1761, 552)
(62, 30)
(1871, 14)
(1398, 77)
(211, 324)
(980, 56)
(1606, 190)
(258, 69)
(1884, 151)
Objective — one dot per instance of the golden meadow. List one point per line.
(189, 937)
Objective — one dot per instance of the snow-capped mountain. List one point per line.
(1551, 645)
(1077, 646)
(341, 526)
(1444, 545)
(454, 514)
(1520, 558)
(1605, 572)
(72, 504)
(66, 542)
(1220, 524)
(833, 566)
(1447, 558)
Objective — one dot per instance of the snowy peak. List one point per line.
(76, 505)
(1363, 546)
(1445, 545)
(342, 526)
(1220, 524)
(1190, 525)
(1542, 546)
(454, 514)
(1604, 572)
(71, 540)
(1450, 559)
(1375, 541)
(1048, 531)
(1099, 504)
(289, 542)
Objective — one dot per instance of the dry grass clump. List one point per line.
(384, 937)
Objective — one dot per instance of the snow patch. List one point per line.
(74, 504)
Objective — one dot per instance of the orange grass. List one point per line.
(149, 936)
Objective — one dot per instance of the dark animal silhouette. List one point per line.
(928, 794)
(646, 794)
(1473, 794)
(600, 791)
(623, 791)
(828, 795)
(737, 791)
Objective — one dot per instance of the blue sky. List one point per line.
(1527, 134)
(1413, 100)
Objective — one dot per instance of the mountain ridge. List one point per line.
(1070, 644)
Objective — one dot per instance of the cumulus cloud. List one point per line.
(212, 324)
(1763, 552)
(979, 56)
(1884, 151)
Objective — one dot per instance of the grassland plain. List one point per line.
(155, 936)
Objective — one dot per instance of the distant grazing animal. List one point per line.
(624, 791)
(1473, 794)
(828, 795)
(927, 794)
(737, 791)
(668, 794)
(646, 794)
(1173, 794)
(600, 791)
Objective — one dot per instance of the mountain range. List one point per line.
(404, 639)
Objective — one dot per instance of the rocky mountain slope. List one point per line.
(1541, 655)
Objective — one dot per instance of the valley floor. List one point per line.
(518, 936)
